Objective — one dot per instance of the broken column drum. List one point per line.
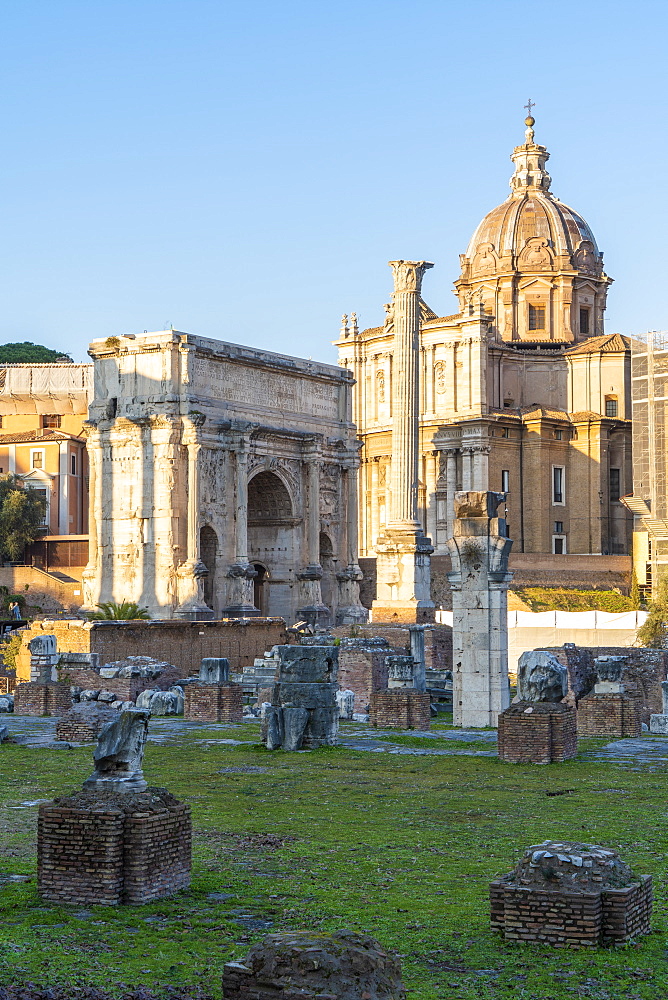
(538, 728)
(608, 710)
(116, 840)
(304, 712)
(479, 579)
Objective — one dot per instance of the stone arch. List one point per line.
(268, 498)
(208, 553)
(273, 542)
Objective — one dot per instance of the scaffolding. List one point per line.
(649, 503)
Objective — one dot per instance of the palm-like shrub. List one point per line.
(126, 611)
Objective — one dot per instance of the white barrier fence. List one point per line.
(541, 629)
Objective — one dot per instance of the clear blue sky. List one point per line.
(245, 171)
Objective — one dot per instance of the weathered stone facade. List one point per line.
(223, 481)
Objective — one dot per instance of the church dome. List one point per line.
(532, 223)
(532, 264)
(533, 214)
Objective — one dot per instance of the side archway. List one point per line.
(208, 553)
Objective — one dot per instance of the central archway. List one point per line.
(273, 542)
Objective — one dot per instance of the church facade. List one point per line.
(223, 481)
(521, 391)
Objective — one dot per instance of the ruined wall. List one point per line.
(182, 643)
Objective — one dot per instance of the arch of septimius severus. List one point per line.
(223, 481)
(520, 391)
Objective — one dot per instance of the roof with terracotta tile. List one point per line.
(609, 344)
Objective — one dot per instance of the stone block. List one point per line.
(214, 670)
(658, 724)
(537, 733)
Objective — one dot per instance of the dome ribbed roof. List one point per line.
(508, 226)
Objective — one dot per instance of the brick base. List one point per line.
(608, 715)
(571, 920)
(32, 698)
(213, 703)
(105, 850)
(546, 735)
(400, 708)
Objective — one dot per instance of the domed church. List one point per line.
(521, 391)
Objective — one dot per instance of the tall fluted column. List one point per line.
(450, 486)
(406, 391)
(192, 571)
(91, 577)
(240, 596)
(311, 607)
(403, 551)
(349, 610)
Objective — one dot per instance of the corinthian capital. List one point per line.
(408, 274)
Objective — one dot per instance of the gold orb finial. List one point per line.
(530, 121)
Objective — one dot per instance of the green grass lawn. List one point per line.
(402, 847)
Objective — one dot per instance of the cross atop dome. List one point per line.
(530, 159)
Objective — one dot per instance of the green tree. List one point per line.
(27, 354)
(124, 612)
(21, 517)
(654, 633)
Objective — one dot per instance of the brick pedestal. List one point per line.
(213, 703)
(570, 919)
(613, 715)
(50, 698)
(111, 849)
(545, 735)
(400, 708)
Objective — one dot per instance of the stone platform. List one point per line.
(105, 848)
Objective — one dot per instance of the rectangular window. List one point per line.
(559, 545)
(558, 527)
(505, 480)
(558, 435)
(73, 464)
(615, 484)
(38, 459)
(536, 317)
(558, 484)
(42, 494)
(584, 321)
(51, 420)
(611, 406)
(0, 421)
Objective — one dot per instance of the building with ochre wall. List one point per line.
(42, 412)
(521, 390)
